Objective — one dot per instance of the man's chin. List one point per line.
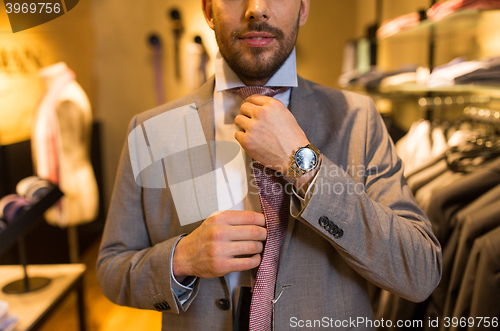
(256, 73)
(255, 63)
(261, 53)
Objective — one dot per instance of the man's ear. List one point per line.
(206, 6)
(304, 11)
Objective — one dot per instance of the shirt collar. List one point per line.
(226, 79)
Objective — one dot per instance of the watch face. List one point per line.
(305, 159)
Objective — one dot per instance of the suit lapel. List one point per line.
(205, 104)
(304, 108)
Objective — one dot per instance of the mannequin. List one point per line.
(61, 143)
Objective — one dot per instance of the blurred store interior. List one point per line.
(130, 56)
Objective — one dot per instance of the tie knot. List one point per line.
(246, 91)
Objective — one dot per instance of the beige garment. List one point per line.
(65, 115)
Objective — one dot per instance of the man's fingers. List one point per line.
(248, 232)
(238, 248)
(257, 99)
(239, 136)
(242, 122)
(235, 217)
(244, 263)
(249, 109)
(237, 233)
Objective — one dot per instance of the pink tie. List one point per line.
(275, 206)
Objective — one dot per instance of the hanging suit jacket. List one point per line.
(474, 224)
(387, 240)
(485, 299)
(447, 200)
(445, 204)
(458, 216)
(479, 294)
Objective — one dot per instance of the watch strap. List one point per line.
(315, 150)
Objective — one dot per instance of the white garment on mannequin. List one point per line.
(65, 115)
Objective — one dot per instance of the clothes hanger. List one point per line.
(482, 147)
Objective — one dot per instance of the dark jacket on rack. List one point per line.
(479, 293)
(476, 223)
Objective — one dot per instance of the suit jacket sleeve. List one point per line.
(130, 271)
(386, 237)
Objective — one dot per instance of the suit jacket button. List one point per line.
(224, 304)
(323, 221)
(334, 230)
(339, 234)
(162, 306)
(329, 226)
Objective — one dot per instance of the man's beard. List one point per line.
(260, 68)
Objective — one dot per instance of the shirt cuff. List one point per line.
(303, 200)
(183, 289)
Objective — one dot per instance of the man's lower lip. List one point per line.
(257, 42)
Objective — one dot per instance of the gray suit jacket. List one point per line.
(387, 240)
(478, 219)
(480, 289)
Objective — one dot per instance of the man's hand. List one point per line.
(269, 132)
(210, 251)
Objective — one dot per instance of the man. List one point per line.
(352, 220)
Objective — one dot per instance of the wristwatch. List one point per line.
(304, 159)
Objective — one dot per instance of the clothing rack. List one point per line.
(443, 108)
(440, 101)
(459, 190)
(483, 114)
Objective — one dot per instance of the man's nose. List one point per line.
(257, 10)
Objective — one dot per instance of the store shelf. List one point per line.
(35, 307)
(421, 89)
(462, 21)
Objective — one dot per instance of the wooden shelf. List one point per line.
(34, 307)
(417, 90)
(462, 21)
(421, 89)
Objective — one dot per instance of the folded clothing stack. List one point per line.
(437, 12)
(444, 8)
(456, 72)
(29, 191)
(33, 188)
(460, 71)
(374, 78)
(11, 206)
(490, 75)
(7, 321)
(394, 26)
